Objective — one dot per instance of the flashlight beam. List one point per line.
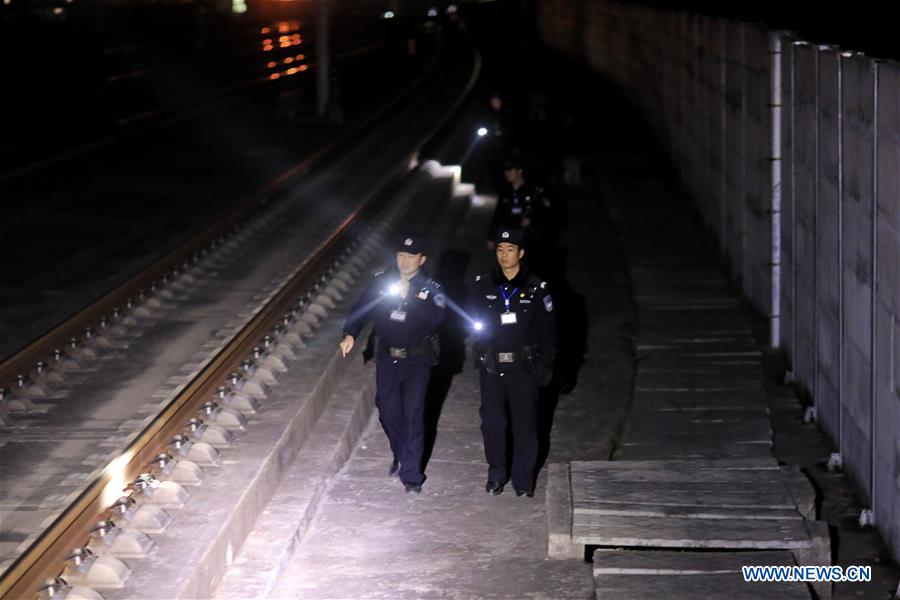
(458, 310)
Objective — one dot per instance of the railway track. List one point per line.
(155, 459)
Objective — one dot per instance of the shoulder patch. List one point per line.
(379, 273)
(548, 303)
(543, 285)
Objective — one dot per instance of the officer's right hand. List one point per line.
(346, 345)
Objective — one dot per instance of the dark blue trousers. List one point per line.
(509, 402)
(400, 399)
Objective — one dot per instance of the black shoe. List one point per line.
(395, 468)
(413, 488)
(520, 493)
(494, 488)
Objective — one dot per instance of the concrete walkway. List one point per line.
(370, 540)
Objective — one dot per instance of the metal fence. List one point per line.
(792, 154)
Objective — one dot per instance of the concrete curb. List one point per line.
(559, 514)
(282, 525)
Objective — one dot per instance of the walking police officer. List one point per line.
(521, 206)
(515, 346)
(406, 307)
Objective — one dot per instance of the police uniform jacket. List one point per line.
(399, 322)
(525, 324)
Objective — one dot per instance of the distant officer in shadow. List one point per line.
(406, 307)
(526, 207)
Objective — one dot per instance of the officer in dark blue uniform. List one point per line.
(525, 207)
(515, 346)
(406, 307)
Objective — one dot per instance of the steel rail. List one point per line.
(71, 529)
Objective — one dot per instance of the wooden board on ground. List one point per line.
(713, 505)
(646, 509)
(658, 398)
(747, 430)
(752, 464)
(689, 447)
(641, 574)
(680, 532)
(712, 415)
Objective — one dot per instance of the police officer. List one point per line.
(515, 345)
(522, 206)
(406, 307)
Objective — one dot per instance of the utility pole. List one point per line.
(323, 58)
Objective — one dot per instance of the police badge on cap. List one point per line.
(412, 244)
(509, 236)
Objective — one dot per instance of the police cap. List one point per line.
(513, 162)
(510, 236)
(412, 244)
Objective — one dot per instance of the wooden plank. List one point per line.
(750, 429)
(712, 415)
(609, 477)
(688, 512)
(687, 447)
(671, 562)
(677, 399)
(700, 496)
(679, 532)
(729, 586)
(768, 463)
(559, 514)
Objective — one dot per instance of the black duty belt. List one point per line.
(508, 357)
(406, 352)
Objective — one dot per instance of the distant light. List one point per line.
(272, 64)
(291, 71)
(388, 14)
(265, 30)
(451, 9)
(238, 6)
(267, 42)
(302, 67)
(432, 12)
(267, 48)
(477, 325)
(288, 60)
(58, 11)
(274, 76)
(482, 131)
